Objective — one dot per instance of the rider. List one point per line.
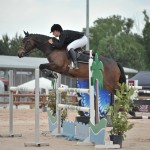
(71, 38)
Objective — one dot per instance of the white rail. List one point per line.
(78, 90)
(72, 107)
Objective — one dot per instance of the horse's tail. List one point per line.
(122, 78)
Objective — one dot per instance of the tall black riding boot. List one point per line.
(73, 57)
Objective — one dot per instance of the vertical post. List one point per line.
(87, 23)
(37, 116)
(11, 134)
(37, 106)
(58, 101)
(96, 103)
(10, 103)
(91, 88)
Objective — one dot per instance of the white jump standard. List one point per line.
(11, 133)
(37, 132)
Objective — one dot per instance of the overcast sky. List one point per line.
(37, 16)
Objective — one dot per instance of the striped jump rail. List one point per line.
(78, 90)
(140, 117)
(72, 107)
(23, 89)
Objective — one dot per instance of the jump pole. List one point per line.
(97, 114)
(11, 133)
(140, 117)
(91, 92)
(58, 110)
(57, 130)
(37, 132)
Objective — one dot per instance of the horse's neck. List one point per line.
(43, 47)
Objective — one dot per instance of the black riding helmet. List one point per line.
(56, 27)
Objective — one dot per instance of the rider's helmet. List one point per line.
(56, 27)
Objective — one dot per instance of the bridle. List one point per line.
(27, 52)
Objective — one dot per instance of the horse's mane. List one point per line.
(40, 36)
(43, 38)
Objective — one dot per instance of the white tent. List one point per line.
(43, 84)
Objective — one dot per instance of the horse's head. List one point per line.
(27, 46)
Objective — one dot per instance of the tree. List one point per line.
(10, 46)
(146, 37)
(4, 45)
(14, 45)
(112, 37)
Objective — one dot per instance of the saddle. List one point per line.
(83, 55)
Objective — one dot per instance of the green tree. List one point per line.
(146, 37)
(4, 45)
(14, 45)
(129, 51)
(10, 46)
(112, 37)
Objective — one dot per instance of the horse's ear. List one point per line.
(26, 33)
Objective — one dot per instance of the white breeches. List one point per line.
(78, 43)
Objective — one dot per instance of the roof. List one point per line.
(143, 78)
(130, 70)
(23, 63)
(32, 63)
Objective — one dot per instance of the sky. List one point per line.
(37, 16)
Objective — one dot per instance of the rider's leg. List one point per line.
(73, 56)
(74, 45)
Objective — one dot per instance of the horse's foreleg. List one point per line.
(45, 68)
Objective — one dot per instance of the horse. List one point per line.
(59, 61)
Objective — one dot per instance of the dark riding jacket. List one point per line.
(66, 37)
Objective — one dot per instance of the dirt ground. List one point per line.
(137, 138)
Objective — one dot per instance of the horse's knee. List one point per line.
(41, 67)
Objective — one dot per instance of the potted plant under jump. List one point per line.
(119, 114)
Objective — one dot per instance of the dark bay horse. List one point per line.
(59, 61)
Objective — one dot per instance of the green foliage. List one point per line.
(52, 103)
(129, 51)
(120, 123)
(14, 45)
(4, 45)
(146, 37)
(113, 37)
(10, 46)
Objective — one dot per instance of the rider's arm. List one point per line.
(59, 44)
